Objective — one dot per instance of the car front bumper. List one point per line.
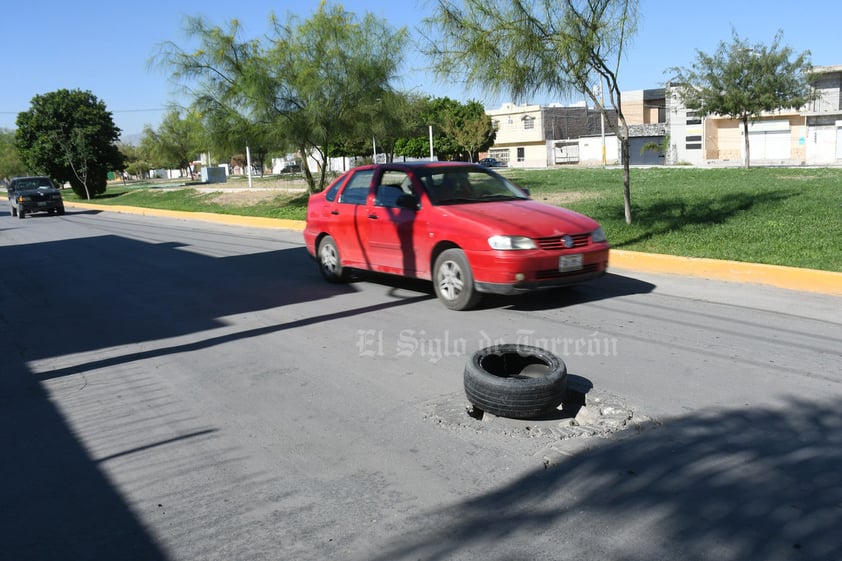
(39, 206)
(513, 272)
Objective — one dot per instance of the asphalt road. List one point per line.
(174, 390)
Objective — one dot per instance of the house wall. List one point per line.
(590, 150)
(683, 128)
(632, 106)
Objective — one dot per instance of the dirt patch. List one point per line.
(245, 198)
(563, 198)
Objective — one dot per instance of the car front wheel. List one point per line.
(329, 261)
(454, 281)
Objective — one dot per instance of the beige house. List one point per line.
(520, 138)
(550, 135)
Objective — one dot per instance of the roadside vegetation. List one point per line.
(779, 216)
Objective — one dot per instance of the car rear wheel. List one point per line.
(454, 281)
(329, 261)
(21, 213)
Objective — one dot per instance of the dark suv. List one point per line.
(34, 194)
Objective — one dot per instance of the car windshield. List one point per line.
(468, 185)
(34, 183)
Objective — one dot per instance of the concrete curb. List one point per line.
(792, 278)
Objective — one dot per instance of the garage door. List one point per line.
(769, 140)
(641, 152)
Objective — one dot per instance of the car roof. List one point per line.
(30, 177)
(421, 164)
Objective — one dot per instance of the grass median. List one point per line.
(778, 216)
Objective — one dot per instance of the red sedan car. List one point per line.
(463, 226)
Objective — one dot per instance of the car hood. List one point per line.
(522, 218)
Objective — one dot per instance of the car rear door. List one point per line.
(347, 214)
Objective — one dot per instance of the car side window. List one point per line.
(356, 191)
(392, 185)
(333, 188)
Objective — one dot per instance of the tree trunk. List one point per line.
(746, 163)
(625, 151)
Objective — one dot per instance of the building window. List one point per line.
(495, 124)
(693, 146)
(528, 122)
(521, 154)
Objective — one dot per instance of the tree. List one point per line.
(138, 162)
(522, 47)
(70, 136)
(11, 164)
(313, 81)
(176, 142)
(469, 127)
(744, 81)
(460, 130)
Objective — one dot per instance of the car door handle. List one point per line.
(334, 212)
(373, 216)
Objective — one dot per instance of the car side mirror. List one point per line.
(407, 201)
(525, 190)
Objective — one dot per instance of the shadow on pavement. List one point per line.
(717, 485)
(89, 295)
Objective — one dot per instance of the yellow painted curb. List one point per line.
(809, 280)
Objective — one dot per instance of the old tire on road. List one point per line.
(515, 381)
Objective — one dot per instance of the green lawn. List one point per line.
(781, 216)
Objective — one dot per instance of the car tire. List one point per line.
(21, 213)
(499, 380)
(14, 211)
(453, 280)
(61, 210)
(330, 263)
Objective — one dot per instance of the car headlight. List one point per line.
(511, 242)
(598, 235)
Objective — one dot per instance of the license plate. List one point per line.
(570, 262)
(42, 204)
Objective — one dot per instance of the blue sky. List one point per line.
(105, 47)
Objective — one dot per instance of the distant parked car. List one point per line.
(34, 194)
(291, 167)
(491, 163)
(463, 226)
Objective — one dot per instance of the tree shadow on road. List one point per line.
(761, 483)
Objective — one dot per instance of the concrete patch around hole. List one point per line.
(586, 413)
